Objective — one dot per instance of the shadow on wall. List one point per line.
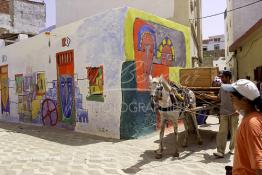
(57, 135)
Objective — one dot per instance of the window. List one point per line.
(204, 48)
(216, 47)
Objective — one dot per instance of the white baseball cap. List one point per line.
(245, 87)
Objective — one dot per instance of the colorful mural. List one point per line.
(49, 112)
(96, 82)
(19, 83)
(65, 86)
(82, 114)
(41, 83)
(111, 98)
(145, 48)
(5, 103)
(153, 47)
(166, 52)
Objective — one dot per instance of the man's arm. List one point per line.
(210, 97)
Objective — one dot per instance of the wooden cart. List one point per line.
(201, 81)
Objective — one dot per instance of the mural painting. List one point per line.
(96, 83)
(27, 97)
(41, 84)
(49, 111)
(19, 83)
(154, 49)
(5, 103)
(145, 48)
(82, 114)
(65, 86)
(166, 52)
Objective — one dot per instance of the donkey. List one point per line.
(172, 107)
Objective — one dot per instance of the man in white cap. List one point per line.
(248, 153)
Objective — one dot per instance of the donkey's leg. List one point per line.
(161, 136)
(199, 139)
(185, 121)
(175, 123)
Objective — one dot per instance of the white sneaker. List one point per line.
(218, 154)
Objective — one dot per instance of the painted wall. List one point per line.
(237, 23)
(83, 8)
(249, 57)
(92, 75)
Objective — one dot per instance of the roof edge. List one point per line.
(251, 30)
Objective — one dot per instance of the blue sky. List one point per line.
(211, 26)
(50, 12)
(214, 25)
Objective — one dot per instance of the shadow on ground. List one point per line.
(62, 136)
(209, 142)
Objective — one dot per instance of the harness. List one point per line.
(170, 108)
(175, 104)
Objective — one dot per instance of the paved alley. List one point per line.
(27, 150)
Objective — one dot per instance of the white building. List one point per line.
(237, 23)
(220, 63)
(20, 17)
(87, 75)
(214, 43)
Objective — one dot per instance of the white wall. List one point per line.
(220, 63)
(246, 17)
(29, 17)
(72, 10)
(211, 44)
(237, 23)
(96, 41)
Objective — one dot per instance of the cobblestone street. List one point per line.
(27, 150)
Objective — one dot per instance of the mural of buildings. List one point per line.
(92, 75)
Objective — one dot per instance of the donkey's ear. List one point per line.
(150, 78)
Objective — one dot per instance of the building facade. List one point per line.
(92, 75)
(237, 23)
(214, 50)
(175, 10)
(248, 53)
(20, 17)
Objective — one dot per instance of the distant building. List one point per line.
(179, 11)
(213, 49)
(20, 19)
(220, 63)
(237, 23)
